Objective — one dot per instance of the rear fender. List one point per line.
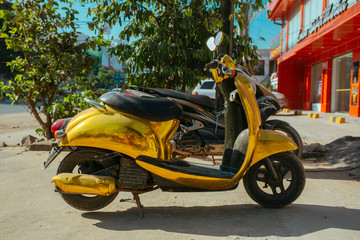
(116, 131)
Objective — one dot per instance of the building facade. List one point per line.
(318, 53)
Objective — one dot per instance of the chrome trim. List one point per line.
(94, 103)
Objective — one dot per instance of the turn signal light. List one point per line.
(195, 93)
(60, 134)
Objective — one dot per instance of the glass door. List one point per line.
(316, 71)
(340, 90)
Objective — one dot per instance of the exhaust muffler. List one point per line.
(85, 184)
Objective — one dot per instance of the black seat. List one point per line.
(153, 109)
(200, 100)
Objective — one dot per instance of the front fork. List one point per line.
(270, 168)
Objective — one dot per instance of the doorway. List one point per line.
(316, 71)
(340, 90)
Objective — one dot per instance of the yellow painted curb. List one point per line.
(313, 115)
(286, 110)
(297, 112)
(337, 119)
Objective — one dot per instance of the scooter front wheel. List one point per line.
(86, 161)
(280, 190)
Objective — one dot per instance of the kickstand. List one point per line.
(213, 160)
(138, 203)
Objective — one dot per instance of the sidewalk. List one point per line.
(348, 119)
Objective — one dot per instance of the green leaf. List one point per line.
(4, 35)
(40, 132)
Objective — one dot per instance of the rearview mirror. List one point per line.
(210, 43)
(218, 38)
(214, 42)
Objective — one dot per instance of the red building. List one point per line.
(318, 53)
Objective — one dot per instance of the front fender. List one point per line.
(269, 143)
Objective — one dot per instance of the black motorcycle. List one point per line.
(202, 128)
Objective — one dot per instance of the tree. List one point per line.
(169, 50)
(52, 59)
(171, 35)
(6, 55)
(104, 78)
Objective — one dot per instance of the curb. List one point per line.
(313, 115)
(286, 110)
(338, 120)
(41, 146)
(297, 112)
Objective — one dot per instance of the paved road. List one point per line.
(329, 207)
(7, 108)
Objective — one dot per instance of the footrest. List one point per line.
(187, 168)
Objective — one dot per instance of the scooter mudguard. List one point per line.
(270, 143)
(113, 130)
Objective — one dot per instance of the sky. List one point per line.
(263, 27)
(259, 27)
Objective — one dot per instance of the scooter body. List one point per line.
(123, 144)
(148, 142)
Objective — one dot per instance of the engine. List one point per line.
(132, 176)
(196, 143)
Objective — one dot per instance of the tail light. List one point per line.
(129, 93)
(57, 125)
(195, 93)
(60, 124)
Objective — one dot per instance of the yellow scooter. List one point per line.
(123, 143)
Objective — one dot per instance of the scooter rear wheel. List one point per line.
(84, 161)
(269, 192)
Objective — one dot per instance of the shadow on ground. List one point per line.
(238, 220)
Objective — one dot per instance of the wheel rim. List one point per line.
(266, 183)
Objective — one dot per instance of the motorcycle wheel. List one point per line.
(84, 161)
(269, 192)
(294, 135)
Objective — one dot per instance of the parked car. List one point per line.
(207, 87)
(116, 90)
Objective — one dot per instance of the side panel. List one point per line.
(119, 132)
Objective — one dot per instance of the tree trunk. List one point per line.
(227, 8)
(47, 130)
(233, 111)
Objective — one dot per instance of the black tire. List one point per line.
(83, 161)
(294, 135)
(268, 194)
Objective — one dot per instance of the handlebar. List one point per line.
(212, 65)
